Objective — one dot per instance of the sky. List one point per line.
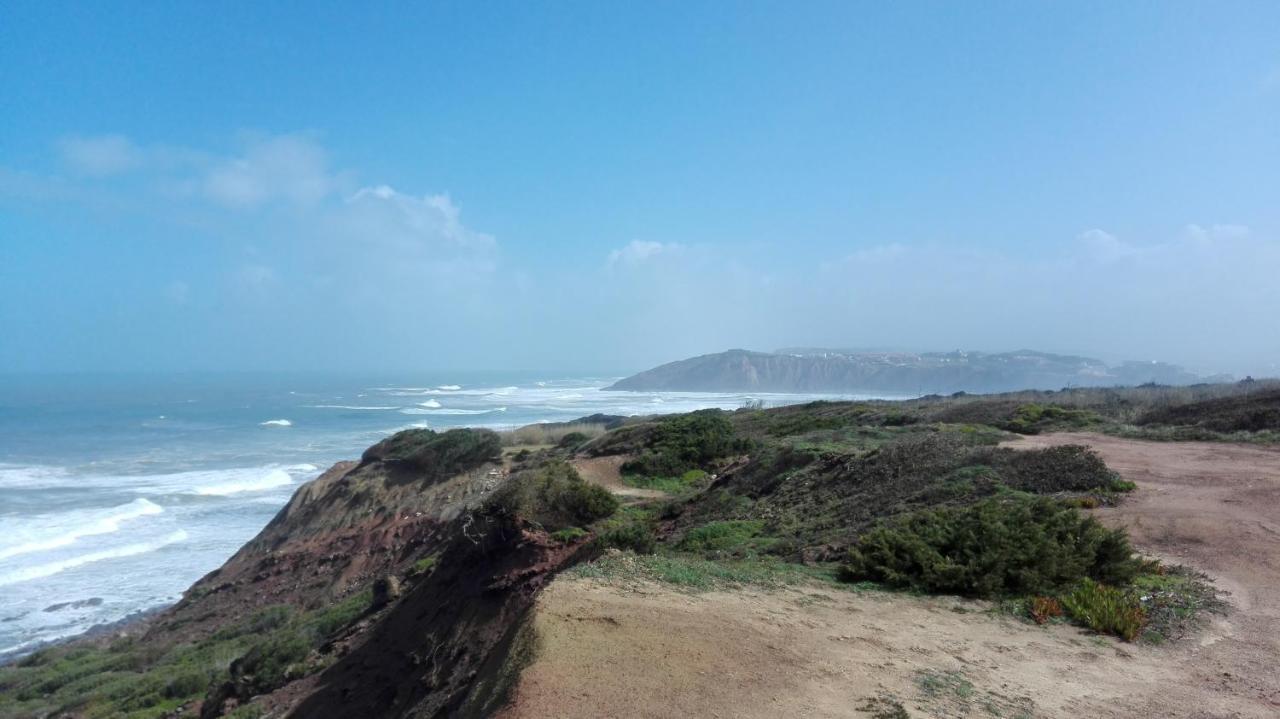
(601, 187)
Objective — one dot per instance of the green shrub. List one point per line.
(272, 663)
(569, 534)
(185, 684)
(1106, 609)
(635, 537)
(323, 623)
(684, 442)
(999, 547)
(721, 536)
(672, 485)
(572, 440)
(423, 566)
(1068, 468)
(1256, 411)
(1033, 418)
(438, 455)
(555, 496)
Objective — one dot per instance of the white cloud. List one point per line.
(1103, 246)
(640, 251)
(288, 168)
(100, 156)
(414, 223)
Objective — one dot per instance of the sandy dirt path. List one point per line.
(641, 650)
(1215, 507)
(607, 472)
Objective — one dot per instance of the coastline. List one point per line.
(136, 622)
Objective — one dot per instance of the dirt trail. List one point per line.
(642, 650)
(1215, 507)
(607, 472)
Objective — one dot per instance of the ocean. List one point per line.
(118, 492)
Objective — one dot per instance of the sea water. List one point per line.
(118, 492)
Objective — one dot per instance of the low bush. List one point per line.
(1106, 609)
(185, 684)
(672, 485)
(1044, 609)
(271, 663)
(321, 624)
(423, 566)
(571, 440)
(569, 534)
(635, 537)
(438, 455)
(684, 442)
(723, 536)
(1068, 468)
(1009, 546)
(633, 528)
(1034, 418)
(555, 497)
(1250, 412)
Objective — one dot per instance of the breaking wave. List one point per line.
(272, 479)
(46, 570)
(60, 530)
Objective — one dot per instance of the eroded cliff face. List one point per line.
(353, 524)
(451, 575)
(440, 650)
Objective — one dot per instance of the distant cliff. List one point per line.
(840, 371)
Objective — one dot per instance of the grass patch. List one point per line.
(1105, 609)
(682, 485)
(569, 534)
(695, 574)
(1176, 601)
(1035, 418)
(935, 683)
(424, 565)
(884, 707)
(137, 680)
(741, 536)
(633, 528)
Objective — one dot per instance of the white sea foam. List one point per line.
(351, 406)
(272, 479)
(26, 574)
(415, 410)
(276, 423)
(31, 476)
(449, 387)
(430, 404)
(51, 531)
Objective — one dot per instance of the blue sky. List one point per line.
(604, 186)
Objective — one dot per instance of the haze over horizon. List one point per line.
(582, 187)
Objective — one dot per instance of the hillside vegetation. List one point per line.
(395, 586)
